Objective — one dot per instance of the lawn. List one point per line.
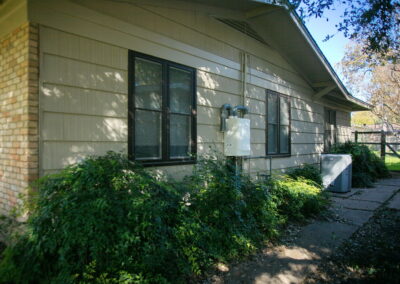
(392, 162)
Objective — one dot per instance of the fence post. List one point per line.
(383, 145)
(356, 136)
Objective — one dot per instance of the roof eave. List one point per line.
(361, 105)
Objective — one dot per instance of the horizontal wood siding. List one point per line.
(343, 121)
(83, 98)
(84, 80)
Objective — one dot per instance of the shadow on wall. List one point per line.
(78, 122)
(312, 148)
(68, 99)
(85, 115)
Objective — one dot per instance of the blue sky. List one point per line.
(334, 48)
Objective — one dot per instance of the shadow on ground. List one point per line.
(293, 261)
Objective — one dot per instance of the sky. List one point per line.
(334, 48)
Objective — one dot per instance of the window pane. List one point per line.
(272, 139)
(284, 104)
(148, 84)
(272, 108)
(180, 133)
(147, 134)
(180, 88)
(284, 140)
(332, 117)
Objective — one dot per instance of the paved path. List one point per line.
(291, 263)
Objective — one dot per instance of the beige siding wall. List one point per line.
(83, 98)
(84, 80)
(343, 121)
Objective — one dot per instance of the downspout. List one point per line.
(244, 83)
(244, 92)
(244, 77)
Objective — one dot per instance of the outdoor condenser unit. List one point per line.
(336, 172)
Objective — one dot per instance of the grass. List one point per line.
(392, 162)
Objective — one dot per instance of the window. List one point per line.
(162, 111)
(278, 124)
(330, 129)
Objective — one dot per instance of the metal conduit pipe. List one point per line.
(225, 113)
(242, 109)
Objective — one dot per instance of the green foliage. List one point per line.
(104, 215)
(362, 118)
(297, 198)
(106, 220)
(308, 172)
(367, 167)
(375, 22)
(236, 213)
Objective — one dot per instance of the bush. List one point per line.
(96, 220)
(308, 172)
(106, 220)
(297, 199)
(236, 214)
(367, 167)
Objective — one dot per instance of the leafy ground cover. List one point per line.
(371, 255)
(309, 172)
(107, 220)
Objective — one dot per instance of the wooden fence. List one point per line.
(385, 139)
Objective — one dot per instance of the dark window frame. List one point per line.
(278, 154)
(165, 112)
(331, 120)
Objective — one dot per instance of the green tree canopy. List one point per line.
(375, 22)
(363, 118)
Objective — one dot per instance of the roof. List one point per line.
(282, 29)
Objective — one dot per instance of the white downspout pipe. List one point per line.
(244, 91)
(244, 77)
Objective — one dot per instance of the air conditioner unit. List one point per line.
(336, 172)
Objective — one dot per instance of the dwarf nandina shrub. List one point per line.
(107, 220)
(366, 168)
(308, 172)
(297, 199)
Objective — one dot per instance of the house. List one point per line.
(148, 78)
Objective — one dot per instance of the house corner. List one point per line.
(19, 101)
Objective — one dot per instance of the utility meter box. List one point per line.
(237, 137)
(336, 172)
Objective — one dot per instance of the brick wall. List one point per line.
(19, 68)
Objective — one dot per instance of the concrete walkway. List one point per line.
(292, 262)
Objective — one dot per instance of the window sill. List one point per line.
(147, 164)
(278, 155)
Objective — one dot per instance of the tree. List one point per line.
(362, 118)
(377, 79)
(375, 22)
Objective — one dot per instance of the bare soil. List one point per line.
(371, 255)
